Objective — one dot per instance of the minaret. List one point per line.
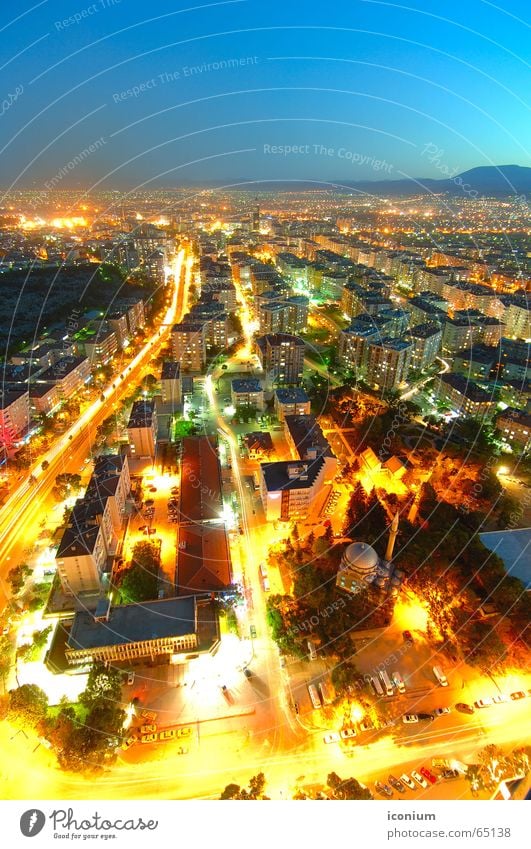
(393, 531)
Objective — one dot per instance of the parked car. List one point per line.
(333, 737)
(408, 636)
(464, 708)
(366, 725)
(449, 774)
(148, 729)
(428, 774)
(410, 718)
(348, 732)
(129, 741)
(396, 783)
(247, 672)
(483, 703)
(426, 717)
(130, 678)
(419, 779)
(441, 711)
(383, 789)
(519, 694)
(500, 699)
(407, 781)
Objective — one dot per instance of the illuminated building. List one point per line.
(282, 357)
(307, 442)
(515, 426)
(118, 321)
(142, 429)
(189, 346)
(291, 402)
(94, 529)
(99, 343)
(69, 375)
(425, 345)
(154, 630)
(389, 362)
(14, 416)
(464, 396)
(288, 488)
(170, 383)
(517, 316)
(361, 566)
(247, 392)
(353, 347)
(203, 559)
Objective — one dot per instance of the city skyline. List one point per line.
(265, 409)
(209, 95)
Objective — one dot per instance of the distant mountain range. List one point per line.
(489, 180)
(485, 180)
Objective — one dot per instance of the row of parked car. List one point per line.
(423, 777)
(498, 699)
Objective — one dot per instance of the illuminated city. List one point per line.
(265, 473)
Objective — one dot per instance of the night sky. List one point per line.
(175, 92)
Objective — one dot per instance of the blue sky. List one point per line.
(174, 92)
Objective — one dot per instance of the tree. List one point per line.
(17, 577)
(343, 677)
(27, 705)
(138, 585)
(256, 789)
(90, 746)
(348, 788)
(102, 683)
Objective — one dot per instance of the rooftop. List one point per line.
(306, 433)
(289, 474)
(514, 548)
(246, 385)
(201, 480)
(141, 414)
(203, 559)
(296, 395)
(132, 623)
(170, 370)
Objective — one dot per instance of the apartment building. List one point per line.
(247, 392)
(14, 417)
(426, 340)
(291, 402)
(170, 383)
(389, 362)
(142, 429)
(282, 357)
(189, 346)
(465, 397)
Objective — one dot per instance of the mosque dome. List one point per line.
(361, 558)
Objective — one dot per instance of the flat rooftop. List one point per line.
(246, 385)
(170, 370)
(141, 414)
(296, 395)
(514, 548)
(132, 623)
